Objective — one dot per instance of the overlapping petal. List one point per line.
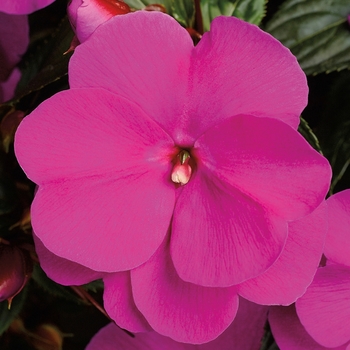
(288, 278)
(339, 228)
(324, 309)
(221, 237)
(244, 71)
(268, 161)
(61, 270)
(21, 7)
(289, 332)
(90, 133)
(244, 333)
(149, 66)
(120, 305)
(116, 167)
(174, 78)
(183, 311)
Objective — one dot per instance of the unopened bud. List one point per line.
(15, 269)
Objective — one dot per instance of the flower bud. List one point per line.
(15, 269)
(86, 15)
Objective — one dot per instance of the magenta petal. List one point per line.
(324, 309)
(120, 305)
(62, 270)
(113, 338)
(268, 161)
(221, 237)
(14, 40)
(288, 278)
(98, 135)
(289, 333)
(339, 228)
(146, 59)
(244, 71)
(20, 7)
(183, 311)
(244, 333)
(8, 87)
(104, 224)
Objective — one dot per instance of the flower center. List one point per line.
(182, 170)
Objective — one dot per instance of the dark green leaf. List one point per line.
(140, 4)
(94, 286)
(53, 288)
(48, 63)
(183, 11)
(6, 315)
(250, 10)
(317, 32)
(309, 135)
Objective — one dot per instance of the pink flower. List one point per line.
(148, 112)
(245, 333)
(86, 15)
(324, 309)
(22, 7)
(14, 39)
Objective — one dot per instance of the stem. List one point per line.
(198, 17)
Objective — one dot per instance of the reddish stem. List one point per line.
(198, 17)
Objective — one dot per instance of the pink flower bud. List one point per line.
(86, 15)
(15, 269)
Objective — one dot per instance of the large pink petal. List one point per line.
(220, 236)
(90, 133)
(110, 224)
(113, 338)
(62, 270)
(14, 40)
(238, 69)
(268, 161)
(183, 311)
(146, 57)
(324, 310)
(288, 278)
(119, 303)
(339, 228)
(20, 7)
(244, 333)
(289, 332)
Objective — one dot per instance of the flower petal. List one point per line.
(221, 237)
(20, 7)
(287, 279)
(106, 225)
(120, 305)
(14, 40)
(62, 270)
(324, 310)
(111, 337)
(268, 161)
(244, 71)
(100, 134)
(245, 332)
(146, 59)
(339, 232)
(182, 311)
(289, 333)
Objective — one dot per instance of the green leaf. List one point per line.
(317, 32)
(309, 135)
(183, 11)
(47, 63)
(53, 288)
(140, 4)
(7, 315)
(94, 286)
(251, 11)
